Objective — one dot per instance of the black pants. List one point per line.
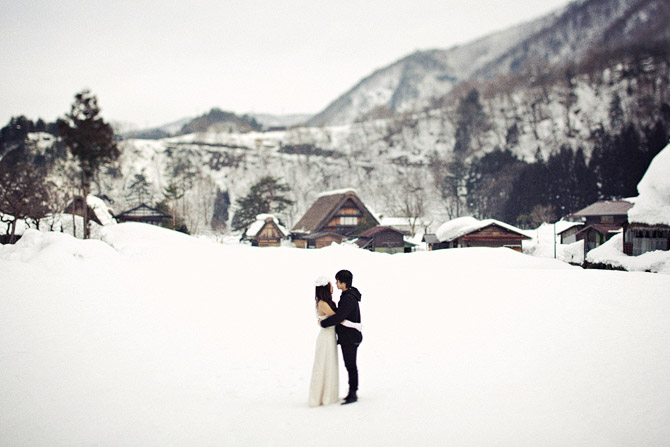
(349, 355)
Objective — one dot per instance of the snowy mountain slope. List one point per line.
(416, 79)
(381, 158)
(564, 36)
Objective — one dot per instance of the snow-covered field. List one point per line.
(152, 338)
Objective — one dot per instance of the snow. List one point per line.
(611, 253)
(545, 242)
(151, 337)
(101, 210)
(336, 192)
(652, 206)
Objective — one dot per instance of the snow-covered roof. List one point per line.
(101, 210)
(652, 206)
(565, 225)
(461, 226)
(336, 192)
(261, 219)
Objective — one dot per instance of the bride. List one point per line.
(324, 387)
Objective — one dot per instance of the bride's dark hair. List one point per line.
(323, 294)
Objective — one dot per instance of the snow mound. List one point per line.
(611, 253)
(56, 249)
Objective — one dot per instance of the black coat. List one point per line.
(347, 309)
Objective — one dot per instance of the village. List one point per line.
(632, 226)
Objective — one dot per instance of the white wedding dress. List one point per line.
(324, 387)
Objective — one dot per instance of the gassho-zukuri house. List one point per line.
(470, 232)
(266, 232)
(334, 217)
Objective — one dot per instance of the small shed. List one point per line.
(318, 240)
(145, 214)
(470, 232)
(382, 239)
(266, 231)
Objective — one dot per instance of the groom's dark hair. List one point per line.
(344, 276)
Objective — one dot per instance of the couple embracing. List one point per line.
(345, 321)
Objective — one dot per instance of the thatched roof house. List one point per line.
(266, 231)
(340, 212)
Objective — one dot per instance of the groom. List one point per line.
(348, 338)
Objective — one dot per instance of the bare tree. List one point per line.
(24, 194)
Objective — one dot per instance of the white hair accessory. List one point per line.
(321, 281)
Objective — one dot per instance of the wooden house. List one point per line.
(145, 214)
(334, 213)
(470, 232)
(602, 220)
(382, 239)
(266, 232)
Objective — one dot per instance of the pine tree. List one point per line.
(267, 196)
(89, 138)
(139, 190)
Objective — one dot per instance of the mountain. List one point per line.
(564, 36)
(508, 131)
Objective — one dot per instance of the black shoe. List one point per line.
(350, 399)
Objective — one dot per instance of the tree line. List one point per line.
(501, 186)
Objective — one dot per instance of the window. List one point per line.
(606, 219)
(349, 220)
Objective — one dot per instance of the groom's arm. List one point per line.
(345, 307)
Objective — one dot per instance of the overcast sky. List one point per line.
(153, 62)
